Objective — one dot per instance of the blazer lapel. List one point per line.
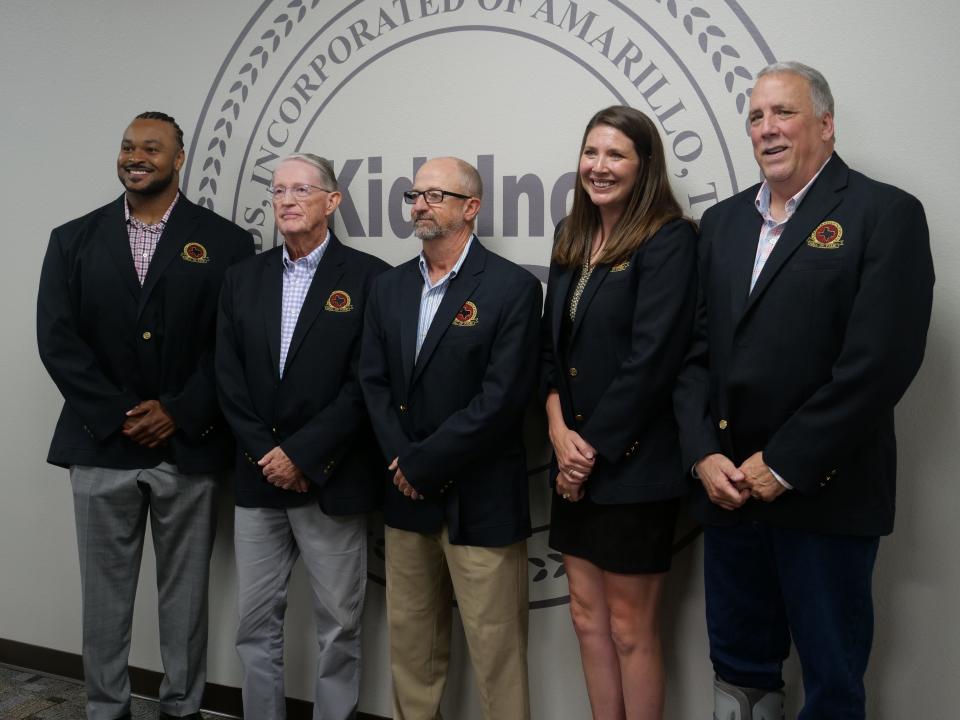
(458, 292)
(819, 201)
(596, 279)
(560, 292)
(409, 307)
(183, 221)
(273, 304)
(742, 252)
(117, 240)
(328, 272)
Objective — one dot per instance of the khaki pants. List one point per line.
(424, 572)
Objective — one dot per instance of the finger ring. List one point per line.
(755, 495)
(566, 496)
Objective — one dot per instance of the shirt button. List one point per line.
(573, 372)
(723, 424)
(147, 335)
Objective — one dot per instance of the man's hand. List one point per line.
(721, 479)
(400, 480)
(279, 470)
(758, 479)
(148, 424)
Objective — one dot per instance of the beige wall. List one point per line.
(73, 73)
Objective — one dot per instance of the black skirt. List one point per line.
(633, 539)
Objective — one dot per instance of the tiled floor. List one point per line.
(26, 695)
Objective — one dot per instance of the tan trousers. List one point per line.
(424, 572)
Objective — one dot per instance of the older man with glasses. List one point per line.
(288, 342)
(447, 367)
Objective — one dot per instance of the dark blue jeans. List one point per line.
(764, 585)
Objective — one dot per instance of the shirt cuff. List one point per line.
(780, 480)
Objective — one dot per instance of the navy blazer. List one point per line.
(615, 376)
(109, 343)
(809, 366)
(315, 411)
(453, 416)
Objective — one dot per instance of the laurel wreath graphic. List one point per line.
(697, 22)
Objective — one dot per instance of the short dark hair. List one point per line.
(163, 117)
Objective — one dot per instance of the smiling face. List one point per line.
(790, 142)
(609, 166)
(150, 157)
(303, 219)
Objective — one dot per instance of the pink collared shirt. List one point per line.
(144, 238)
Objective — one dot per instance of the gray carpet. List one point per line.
(26, 695)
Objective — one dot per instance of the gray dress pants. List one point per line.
(111, 508)
(334, 551)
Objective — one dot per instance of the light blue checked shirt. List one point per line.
(432, 294)
(297, 276)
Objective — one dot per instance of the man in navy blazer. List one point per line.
(288, 342)
(447, 368)
(816, 292)
(126, 315)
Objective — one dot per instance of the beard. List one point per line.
(432, 231)
(155, 186)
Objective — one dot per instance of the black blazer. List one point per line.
(454, 416)
(109, 343)
(315, 411)
(808, 367)
(616, 374)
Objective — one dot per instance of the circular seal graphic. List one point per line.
(378, 86)
(828, 235)
(467, 315)
(194, 252)
(339, 301)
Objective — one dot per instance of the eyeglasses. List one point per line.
(299, 192)
(432, 196)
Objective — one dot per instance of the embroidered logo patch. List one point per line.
(195, 252)
(827, 236)
(467, 315)
(620, 267)
(339, 301)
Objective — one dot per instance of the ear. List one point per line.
(470, 209)
(333, 202)
(826, 127)
(178, 160)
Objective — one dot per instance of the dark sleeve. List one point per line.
(194, 408)
(374, 375)
(326, 435)
(471, 433)
(691, 396)
(71, 362)
(660, 335)
(252, 434)
(881, 352)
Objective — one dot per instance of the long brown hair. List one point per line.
(651, 204)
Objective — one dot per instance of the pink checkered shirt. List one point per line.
(144, 238)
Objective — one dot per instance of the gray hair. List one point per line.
(820, 93)
(322, 165)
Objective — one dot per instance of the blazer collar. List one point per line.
(820, 200)
(117, 240)
(457, 293)
(183, 221)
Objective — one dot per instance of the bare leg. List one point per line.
(598, 654)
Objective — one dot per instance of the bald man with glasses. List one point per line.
(447, 367)
(288, 342)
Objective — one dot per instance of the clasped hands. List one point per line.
(575, 460)
(148, 424)
(280, 470)
(730, 486)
